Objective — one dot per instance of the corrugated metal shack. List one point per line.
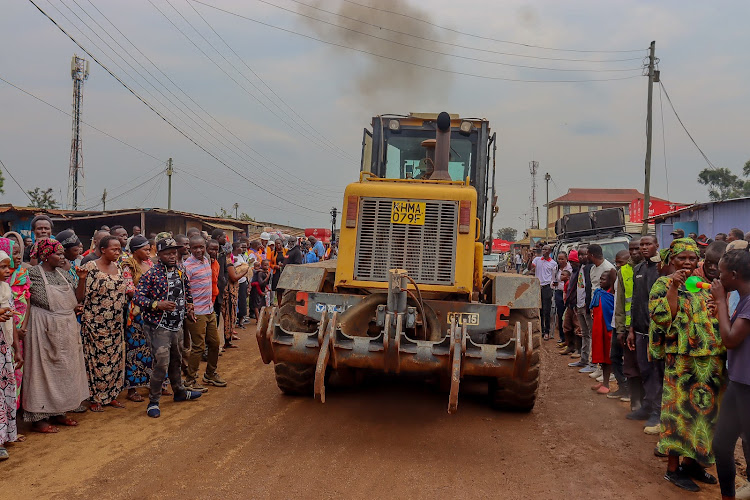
(704, 218)
(150, 220)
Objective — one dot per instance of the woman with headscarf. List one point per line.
(72, 246)
(8, 342)
(19, 287)
(138, 358)
(54, 376)
(102, 289)
(684, 332)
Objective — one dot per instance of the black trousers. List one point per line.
(242, 302)
(734, 421)
(559, 310)
(546, 307)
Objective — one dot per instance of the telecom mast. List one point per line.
(79, 71)
(533, 167)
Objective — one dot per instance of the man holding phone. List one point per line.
(163, 295)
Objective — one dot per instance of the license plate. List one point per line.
(464, 318)
(408, 212)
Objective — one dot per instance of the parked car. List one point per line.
(492, 263)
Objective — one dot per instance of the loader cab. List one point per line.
(399, 146)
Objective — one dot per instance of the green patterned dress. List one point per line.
(694, 371)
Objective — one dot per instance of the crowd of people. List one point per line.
(672, 328)
(131, 315)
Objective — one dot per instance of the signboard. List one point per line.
(500, 246)
(656, 207)
(319, 233)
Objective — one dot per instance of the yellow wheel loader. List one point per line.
(407, 294)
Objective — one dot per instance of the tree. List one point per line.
(723, 184)
(225, 214)
(2, 181)
(507, 233)
(42, 199)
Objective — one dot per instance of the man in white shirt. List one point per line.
(601, 265)
(544, 268)
(518, 261)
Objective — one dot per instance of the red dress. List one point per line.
(601, 338)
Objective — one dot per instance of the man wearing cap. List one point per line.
(264, 237)
(163, 295)
(677, 233)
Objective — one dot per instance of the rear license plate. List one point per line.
(464, 318)
(408, 212)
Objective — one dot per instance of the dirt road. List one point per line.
(392, 439)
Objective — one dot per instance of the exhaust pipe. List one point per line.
(442, 148)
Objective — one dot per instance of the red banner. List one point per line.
(319, 233)
(501, 245)
(656, 207)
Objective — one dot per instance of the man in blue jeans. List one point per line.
(163, 295)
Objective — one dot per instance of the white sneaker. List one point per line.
(612, 377)
(600, 379)
(743, 493)
(597, 373)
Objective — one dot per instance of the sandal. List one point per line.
(20, 438)
(67, 422)
(96, 407)
(81, 409)
(135, 397)
(165, 392)
(47, 429)
(597, 387)
(235, 337)
(230, 346)
(3, 454)
(116, 404)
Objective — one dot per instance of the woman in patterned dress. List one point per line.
(102, 289)
(8, 342)
(138, 358)
(684, 333)
(19, 285)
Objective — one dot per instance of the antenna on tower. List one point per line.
(79, 71)
(533, 168)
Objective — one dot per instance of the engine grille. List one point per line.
(428, 252)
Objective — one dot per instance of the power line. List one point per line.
(261, 79)
(301, 130)
(198, 120)
(490, 38)
(110, 200)
(422, 38)
(85, 123)
(666, 94)
(17, 183)
(159, 114)
(233, 148)
(395, 59)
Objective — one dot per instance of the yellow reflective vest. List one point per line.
(627, 284)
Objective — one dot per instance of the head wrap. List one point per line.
(573, 256)
(44, 248)
(682, 245)
(4, 256)
(68, 239)
(6, 245)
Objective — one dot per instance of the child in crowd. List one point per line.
(602, 309)
(8, 346)
(259, 284)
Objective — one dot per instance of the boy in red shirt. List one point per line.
(602, 309)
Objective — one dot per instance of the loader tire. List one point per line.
(293, 378)
(508, 393)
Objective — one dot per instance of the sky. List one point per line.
(279, 116)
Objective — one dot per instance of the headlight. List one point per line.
(394, 126)
(466, 127)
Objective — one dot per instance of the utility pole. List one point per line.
(170, 171)
(493, 209)
(334, 213)
(79, 71)
(547, 178)
(653, 76)
(533, 167)
(104, 200)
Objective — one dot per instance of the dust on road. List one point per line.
(391, 439)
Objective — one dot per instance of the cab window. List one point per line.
(405, 157)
